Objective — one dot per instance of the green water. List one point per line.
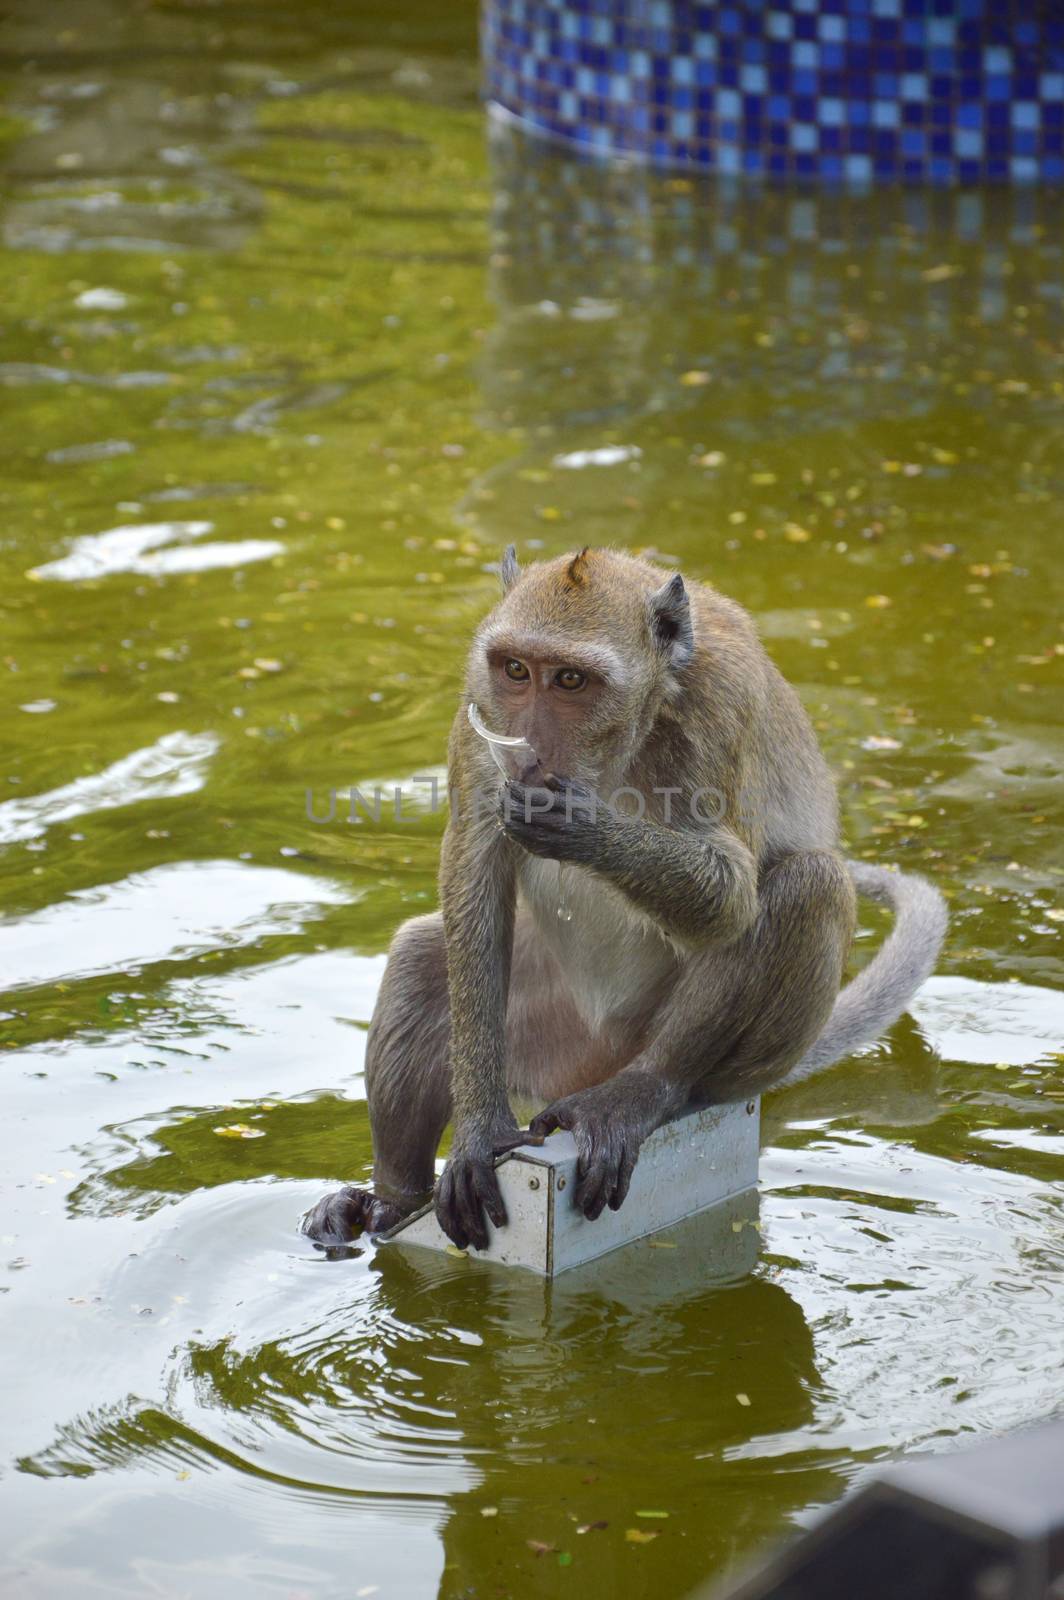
(268, 301)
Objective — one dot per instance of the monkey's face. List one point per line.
(575, 666)
(552, 700)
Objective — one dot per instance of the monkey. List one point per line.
(652, 914)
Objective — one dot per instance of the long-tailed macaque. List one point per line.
(653, 914)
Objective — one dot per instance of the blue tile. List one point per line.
(938, 90)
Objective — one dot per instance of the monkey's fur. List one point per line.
(701, 949)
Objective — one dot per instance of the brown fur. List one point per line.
(698, 958)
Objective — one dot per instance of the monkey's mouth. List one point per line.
(514, 756)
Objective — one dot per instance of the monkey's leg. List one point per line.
(408, 1069)
(408, 1088)
(736, 1020)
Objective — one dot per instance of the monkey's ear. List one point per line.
(509, 568)
(670, 621)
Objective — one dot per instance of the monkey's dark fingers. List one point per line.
(468, 1188)
(552, 1117)
(623, 1179)
(338, 1217)
(514, 1141)
(567, 786)
(595, 1177)
(520, 800)
(536, 840)
(470, 1210)
(490, 1195)
(446, 1208)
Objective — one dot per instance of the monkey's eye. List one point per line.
(569, 678)
(516, 670)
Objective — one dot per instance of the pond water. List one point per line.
(290, 351)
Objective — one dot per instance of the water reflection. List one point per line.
(622, 294)
(416, 1379)
(175, 765)
(140, 547)
(172, 913)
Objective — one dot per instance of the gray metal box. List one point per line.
(685, 1167)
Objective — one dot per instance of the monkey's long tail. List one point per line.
(881, 991)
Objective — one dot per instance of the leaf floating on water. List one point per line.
(240, 1130)
(743, 1399)
(940, 274)
(876, 602)
(565, 1558)
(453, 1250)
(695, 379)
(489, 1511)
(637, 1536)
(538, 1548)
(652, 1513)
(880, 741)
(795, 533)
(663, 1244)
(592, 1527)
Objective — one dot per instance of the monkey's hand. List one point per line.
(609, 1124)
(468, 1187)
(562, 820)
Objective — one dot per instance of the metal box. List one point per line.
(684, 1168)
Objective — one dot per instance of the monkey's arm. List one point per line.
(699, 887)
(477, 890)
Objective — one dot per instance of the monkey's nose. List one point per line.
(532, 774)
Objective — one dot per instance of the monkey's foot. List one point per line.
(468, 1190)
(609, 1124)
(340, 1217)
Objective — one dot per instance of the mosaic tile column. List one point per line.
(843, 91)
